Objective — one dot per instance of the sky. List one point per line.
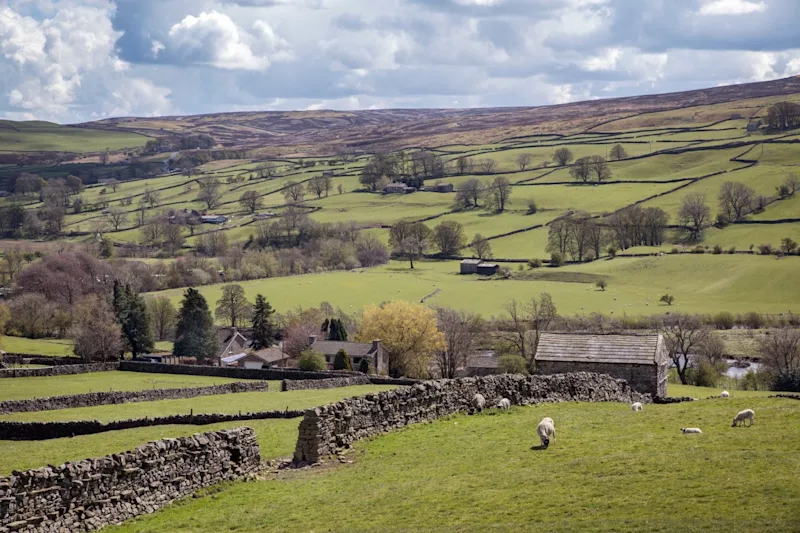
(72, 61)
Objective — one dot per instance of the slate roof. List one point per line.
(358, 349)
(626, 349)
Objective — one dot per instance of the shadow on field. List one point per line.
(538, 448)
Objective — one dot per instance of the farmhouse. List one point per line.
(356, 350)
(231, 342)
(641, 360)
(443, 187)
(398, 188)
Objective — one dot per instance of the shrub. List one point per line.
(556, 259)
(512, 364)
(724, 320)
(698, 250)
(722, 221)
(752, 320)
(706, 374)
(765, 249)
(674, 251)
(601, 284)
(504, 272)
(535, 263)
(612, 251)
(311, 360)
(364, 367)
(732, 250)
(717, 249)
(667, 299)
(532, 207)
(342, 361)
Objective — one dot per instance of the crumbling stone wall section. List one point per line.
(90, 494)
(61, 370)
(325, 429)
(91, 399)
(317, 384)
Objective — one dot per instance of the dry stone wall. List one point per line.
(92, 399)
(231, 372)
(90, 494)
(330, 383)
(326, 429)
(61, 370)
(35, 359)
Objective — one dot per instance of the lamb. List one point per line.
(637, 406)
(747, 414)
(504, 404)
(546, 431)
(724, 394)
(478, 402)
(691, 430)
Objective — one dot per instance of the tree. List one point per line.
(319, 185)
(461, 330)
(683, 335)
(311, 361)
(500, 193)
(525, 324)
(131, 312)
(370, 250)
(173, 238)
(116, 217)
(792, 183)
(449, 237)
(251, 201)
(713, 349)
(694, 213)
(469, 194)
(783, 116)
(363, 366)
(618, 152)
(488, 165)
(233, 306)
(210, 193)
(74, 184)
(150, 197)
(599, 168)
(780, 353)
(481, 247)
(562, 156)
(195, 333)
(736, 200)
(409, 239)
(95, 333)
(601, 284)
(341, 361)
(465, 165)
(788, 245)
(337, 331)
(163, 317)
(582, 169)
(264, 330)
(667, 299)
(293, 192)
(524, 161)
(409, 335)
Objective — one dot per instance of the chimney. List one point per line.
(376, 345)
(312, 339)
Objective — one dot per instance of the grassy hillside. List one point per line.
(38, 136)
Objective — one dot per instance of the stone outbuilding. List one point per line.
(470, 266)
(641, 360)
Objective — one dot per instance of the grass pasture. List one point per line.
(34, 136)
(610, 469)
(22, 345)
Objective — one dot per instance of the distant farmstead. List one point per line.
(476, 266)
(443, 187)
(753, 126)
(398, 188)
(213, 219)
(641, 360)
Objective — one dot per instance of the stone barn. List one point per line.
(641, 360)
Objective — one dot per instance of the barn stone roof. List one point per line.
(585, 348)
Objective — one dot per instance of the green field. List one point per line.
(47, 136)
(738, 284)
(61, 347)
(610, 469)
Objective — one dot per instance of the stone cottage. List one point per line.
(641, 360)
(356, 350)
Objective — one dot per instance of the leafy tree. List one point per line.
(233, 306)
(342, 361)
(131, 313)
(667, 299)
(311, 361)
(524, 160)
(293, 192)
(409, 239)
(469, 194)
(96, 334)
(251, 201)
(74, 184)
(736, 200)
(363, 366)
(449, 237)
(582, 169)
(618, 152)
(481, 247)
(210, 192)
(788, 245)
(562, 156)
(264, 330)
(163, 317)
(408, 332)
(195, 332)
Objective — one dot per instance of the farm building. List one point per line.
(244, 360)
(213, 219)
(487, 269)
(327, 174)
(641, 360)
(356, 350)
(753, 126)
(443, 187)
(398, 188)
(470, 266)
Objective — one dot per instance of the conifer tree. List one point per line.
(342, 361)
(363, 366)
(131, 313)
(195, 333)
(337, 331)
(263, 326)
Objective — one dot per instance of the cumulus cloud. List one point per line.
(732, 7)
(137, 97)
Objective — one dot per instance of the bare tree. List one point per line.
(96, 334)
(233, 306)
(683, 335)
(582, 169)
(163, 317)
(792, 183)
(736, 199)
(499, 193)
(469, 193)
(449, 237)
(317, 185)
(465, 165)
(600, 169)
(293, 192)
(694, 213)
(461, 331)
(151, 197)
(409, 239)
(524, 161)
(116, 217)
(481, 247)
(780, 352)
(210, 193)
(488, 165)
(526, 323)
(562, 156)
(618, 152)
(251, 201)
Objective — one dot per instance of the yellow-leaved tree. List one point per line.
(408, 332)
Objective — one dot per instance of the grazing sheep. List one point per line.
(546, 431)
(691, 430)
(478, 402)
(637, 406)
(504, 404)
(747, 414)
(724, 394)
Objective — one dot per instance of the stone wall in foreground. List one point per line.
(326, 429)
(91, 399)
(90, 494)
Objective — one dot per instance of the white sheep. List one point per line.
(478, 402)
(546, 431)
(691, 430)
(637, 406)
(504, 404)
(724, 394)
(747, 414)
